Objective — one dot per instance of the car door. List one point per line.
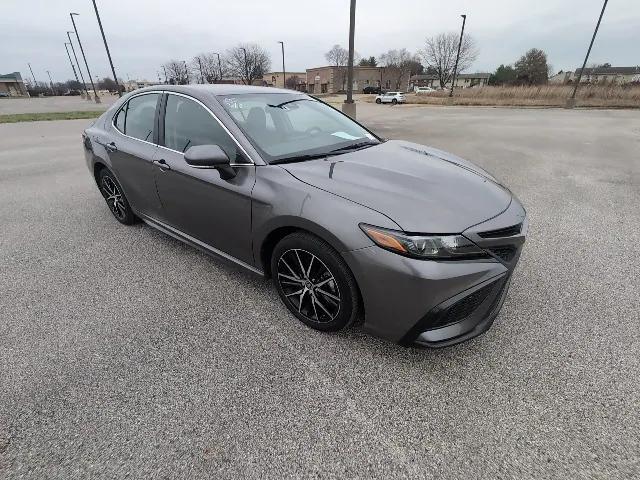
(132, 148)
(197, 201)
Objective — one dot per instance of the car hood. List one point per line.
(421, 189)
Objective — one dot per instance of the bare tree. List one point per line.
(440, 52)
(339, 57)
(248, 67)
(293, 82)
(207, 67)
(177, 72)
(400, 65)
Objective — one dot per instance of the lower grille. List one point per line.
(465, 307)
(505, 253)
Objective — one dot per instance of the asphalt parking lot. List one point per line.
(124, 353)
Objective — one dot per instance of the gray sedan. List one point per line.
(415, 244)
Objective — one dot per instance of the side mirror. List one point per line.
(210, 156)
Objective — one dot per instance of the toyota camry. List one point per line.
(416, 244)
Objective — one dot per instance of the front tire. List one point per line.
(394, 101)
(378, 101)
(115, 198)
(314, 282)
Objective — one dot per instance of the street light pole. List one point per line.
(571, 101)
(73, 67)
(35, 82)
(455, 67)
(349, 107)
(246, 66)
(104, 39)
(85, 94)
(50, 82)
(219, 64)
(200, 65)
(84, 57)
(284, 73)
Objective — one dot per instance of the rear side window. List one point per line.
(187, 124)
(136, 118)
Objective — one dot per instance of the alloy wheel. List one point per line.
(308, 285)
(113, 196)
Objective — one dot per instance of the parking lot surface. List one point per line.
(54, 104)
(126, 353)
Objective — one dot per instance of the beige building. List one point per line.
(12, 85)
(463, 80)
(275, 79)
(619, 75)
(331, 79)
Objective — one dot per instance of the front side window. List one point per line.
(283, 126)
(187, 124)
(137, 117)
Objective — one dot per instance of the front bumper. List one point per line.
(439, 303)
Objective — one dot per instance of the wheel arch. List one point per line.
(271, 235)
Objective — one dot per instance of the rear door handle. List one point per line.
(109, 147)
(164, 166)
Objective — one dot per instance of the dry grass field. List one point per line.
(610, 96)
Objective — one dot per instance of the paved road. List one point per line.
(126, 353)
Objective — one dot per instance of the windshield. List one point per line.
(286, 127)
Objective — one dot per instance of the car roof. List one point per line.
(216, 89)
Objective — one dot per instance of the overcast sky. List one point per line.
(143, 34)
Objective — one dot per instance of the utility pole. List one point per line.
(165, 74)
(455, 67)
(86, 92)
(284, 73)
(219, 64)
(186, 72)
(50, 82)
(246, 66)
(572, 101)
(349, 107)
(84, 57)
(104, 39)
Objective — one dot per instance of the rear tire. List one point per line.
(115, 198)
(314, 282)
(378, 101)
(394, 101)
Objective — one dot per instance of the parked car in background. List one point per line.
(372, 89)
(391, 97)
(4, 94)
(423, 90)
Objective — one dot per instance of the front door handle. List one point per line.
(164, 166)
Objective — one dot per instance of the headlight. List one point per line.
(424, 246)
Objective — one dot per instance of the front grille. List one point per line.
(463, 308)
(502, 232)
(505, 252)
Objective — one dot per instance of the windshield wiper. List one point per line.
(302, 158)
(280, 105)
(355, 146)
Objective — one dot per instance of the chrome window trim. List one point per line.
(251, 164)
(120, 109)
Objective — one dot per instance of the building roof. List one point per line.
(14, 77)
(610, 71)
(460, 75)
